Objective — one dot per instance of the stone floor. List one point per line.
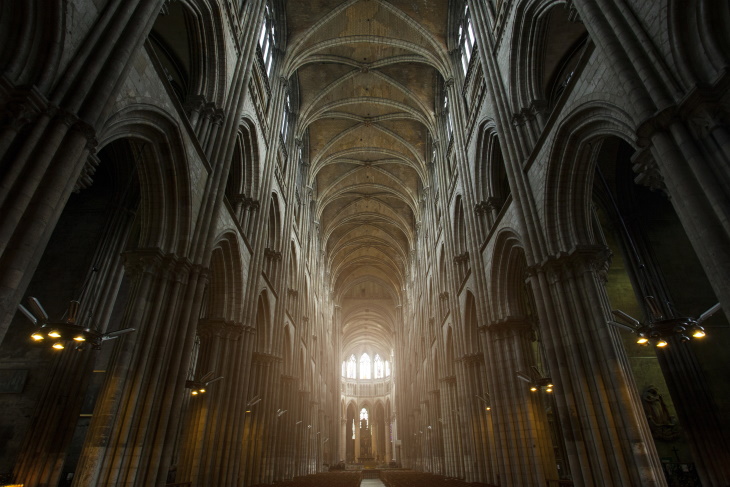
(371, 483)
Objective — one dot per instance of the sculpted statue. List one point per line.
(663, 426)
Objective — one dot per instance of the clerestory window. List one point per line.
(352, 367)
(378, 367)
(365, 370)
(467, 40)
(267, 39)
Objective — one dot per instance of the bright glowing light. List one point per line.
(58, 346)
(54, 334)
(80, 338)
(37, 336)
(661, 343)
(642, 341)
(698, 333)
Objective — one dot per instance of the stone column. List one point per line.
(130, 439)
(526, 448)
(607, 438)
(45, 448)
(342, 450)
(257, 461)
(696, 171)
(357, 436)
(214, 427)
(437, 437)
(42, 456)
(697, 412)
(31, 204)
(477, 401)
(285, 424)
(451, 415)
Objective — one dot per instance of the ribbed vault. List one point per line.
(367, 74)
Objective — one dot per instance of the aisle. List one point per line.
(371, 483)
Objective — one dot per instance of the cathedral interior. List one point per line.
(249, 241)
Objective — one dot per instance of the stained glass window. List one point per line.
(378, 366)
(352, 367)
(365, 371)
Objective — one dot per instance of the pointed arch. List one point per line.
(188, 39)
(164, 174)
(546, 48)
(263, 322)
(508, 273)
(226, 285)
(571, 170)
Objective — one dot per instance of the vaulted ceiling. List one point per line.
(368, 74)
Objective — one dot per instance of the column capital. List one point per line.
(647, 171)
(218, 327)
(267, 359)
(581, 258)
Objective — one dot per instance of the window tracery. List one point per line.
(267, 39)
(467, 40)
(378, 367)
(365, 369)
(352, 367)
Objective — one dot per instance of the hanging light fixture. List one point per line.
(536, 380)
(485, 400)
(200, 386)
(66, 332)
(658, 329)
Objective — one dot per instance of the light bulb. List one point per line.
(550, 386)
(698, 333)
(54, 334)
(58, 346)
(549, 389)
(80, 338)
(488, 408)
(202, 391)
(642, 341)
(195, 393)
(37, 336)
(661, 343)
(533, 389)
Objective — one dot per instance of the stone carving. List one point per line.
(663, 426)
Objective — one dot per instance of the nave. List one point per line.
(245, 241)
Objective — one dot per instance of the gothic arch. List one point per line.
(292, 277)
(699, 39)
(570, 170)
(493, 187)
(273, 241)
(471, 324)
(545, 49)
(264, 329)
(460, 236)
(164, 174)
(33, 38)
(188, 39)
(243, 177)
(287, 350)
(226, 287)
(508, 274)
(450, 352)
